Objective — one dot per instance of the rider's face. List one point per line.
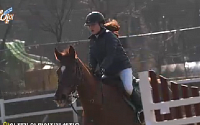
(94, 28)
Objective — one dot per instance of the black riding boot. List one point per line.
(137, 102)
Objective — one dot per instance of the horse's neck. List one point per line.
(87, 87)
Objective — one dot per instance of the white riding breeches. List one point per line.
(127, 78)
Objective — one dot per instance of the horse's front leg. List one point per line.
(85, 120)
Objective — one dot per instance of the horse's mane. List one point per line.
(85, 65)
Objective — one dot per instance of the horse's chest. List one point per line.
(93, 115)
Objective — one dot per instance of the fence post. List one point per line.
(75, 117)
(146, 96)
(2, 110)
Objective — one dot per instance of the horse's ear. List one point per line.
(72, 52)
(58, 55)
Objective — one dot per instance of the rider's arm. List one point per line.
(111, 45)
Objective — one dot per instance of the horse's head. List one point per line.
(67, 76)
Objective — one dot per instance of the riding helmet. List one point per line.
(94, 17)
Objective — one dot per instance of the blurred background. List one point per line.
(162, 35)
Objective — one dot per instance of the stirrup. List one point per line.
(139, 113)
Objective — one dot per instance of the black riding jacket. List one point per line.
(106, 50)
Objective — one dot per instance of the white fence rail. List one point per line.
(3, 117)
(164, 107)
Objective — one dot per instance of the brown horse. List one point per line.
(109, 109)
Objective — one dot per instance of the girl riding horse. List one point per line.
(106, 51)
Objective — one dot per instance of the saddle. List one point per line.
(107, 80)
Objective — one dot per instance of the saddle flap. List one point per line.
(111, 77)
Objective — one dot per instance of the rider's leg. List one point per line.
(127, 78)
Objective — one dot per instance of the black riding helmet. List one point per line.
(94, 17)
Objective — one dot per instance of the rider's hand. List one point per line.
(100, 73)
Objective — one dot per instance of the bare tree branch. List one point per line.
(52, 7)
(47, 27)
(68, 12)
(63, 6)
(94, 3)
(60, 13)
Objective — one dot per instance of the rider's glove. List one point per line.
(100, 72)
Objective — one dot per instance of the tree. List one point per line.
(136, 10)
(54, 17)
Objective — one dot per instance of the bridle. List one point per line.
(80, 79)
(78, 73)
